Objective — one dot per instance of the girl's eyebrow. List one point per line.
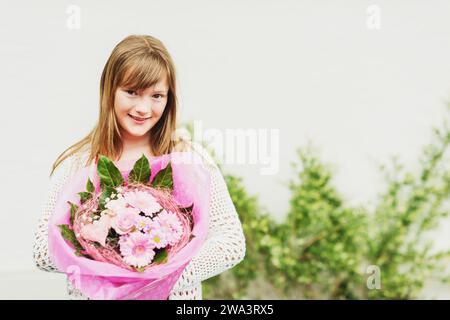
(154, 91)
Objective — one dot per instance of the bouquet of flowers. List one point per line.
(130, 233)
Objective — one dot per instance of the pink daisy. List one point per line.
(143, 223)
(157, 237)
(136, 249)
(170, 225)
(142, 201)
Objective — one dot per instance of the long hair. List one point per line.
(137, 62)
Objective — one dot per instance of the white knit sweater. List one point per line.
(223, 249)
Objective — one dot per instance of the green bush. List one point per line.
(324, 247)
(407, 212)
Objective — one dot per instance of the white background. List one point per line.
(311, 69)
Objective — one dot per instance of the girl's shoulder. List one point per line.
(79, 158)
(71, 163)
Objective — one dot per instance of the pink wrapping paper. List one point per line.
(101, 280)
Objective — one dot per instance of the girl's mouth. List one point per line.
(138, 120)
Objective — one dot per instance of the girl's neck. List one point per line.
(134, 148)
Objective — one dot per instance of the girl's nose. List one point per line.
(144, 107)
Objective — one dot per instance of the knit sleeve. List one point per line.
(40, 246)
(224, 246)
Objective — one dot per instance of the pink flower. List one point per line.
(142, 201)
(125, 220)
(136, 249)
(157, 238)
(143, 223)
(170, 225)
(98, 230)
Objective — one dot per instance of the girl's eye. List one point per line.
(157, 96)
(131, 92)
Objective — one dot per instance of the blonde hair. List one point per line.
(137, 62)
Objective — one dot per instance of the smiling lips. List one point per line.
(138, 118)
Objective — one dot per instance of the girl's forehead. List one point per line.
(162, 84)
(142, 76)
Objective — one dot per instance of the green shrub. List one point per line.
(324, 247)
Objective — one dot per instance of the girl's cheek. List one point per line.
(124, 103)
(159, 110)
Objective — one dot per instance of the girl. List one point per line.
(138, 106)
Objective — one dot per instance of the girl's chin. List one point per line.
(133, 132)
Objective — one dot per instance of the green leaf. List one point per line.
(81, 254)
(84, 196)
(90, 186)
(73, 210)
(140, 269)
(160, 257)
(141, 171)
(112, 238)
(106, 193)
(164, 178)
(69, 235)
(108, 173)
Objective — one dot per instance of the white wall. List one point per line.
(308, 68)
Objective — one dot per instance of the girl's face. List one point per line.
(138, 112)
